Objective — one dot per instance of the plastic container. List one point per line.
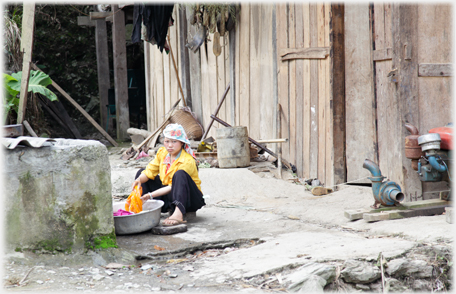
(233, 147)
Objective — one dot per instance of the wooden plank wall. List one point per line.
(389, 129)
(254, 75)
(305, 89)
(304, 85)
(435, 47)
(359, 85)
(405, 37)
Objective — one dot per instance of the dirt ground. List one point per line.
(253, 230)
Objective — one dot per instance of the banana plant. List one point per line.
(38, 83)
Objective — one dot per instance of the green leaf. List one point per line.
(7, 79)
(38, 82)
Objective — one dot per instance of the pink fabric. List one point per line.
(121, 212)
(142, 154)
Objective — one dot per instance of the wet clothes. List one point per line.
(156, 19)
(184, 192)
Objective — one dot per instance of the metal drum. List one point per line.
(140, 222)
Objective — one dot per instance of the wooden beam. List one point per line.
(244, 64)
(102, 15)
(405, 32)
(78, 107)
(232, 45)
(383, 54)
(120, 74)
(292, 84)
(281, 140)
(195, 99)
(86, 21)
(184, 60)
(338, 90)
(282, 72)
(313, 161)
(29, 128)
(28, 21)
(307, 53)
(297, 137)
(176, 71)
(435, 70)
(101, 41)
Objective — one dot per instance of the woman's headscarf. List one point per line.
(177, 132)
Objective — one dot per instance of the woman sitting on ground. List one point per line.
(177, 184)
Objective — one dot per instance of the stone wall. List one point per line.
(57, 197)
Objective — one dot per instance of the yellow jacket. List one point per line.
(185, 162)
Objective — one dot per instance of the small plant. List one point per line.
(38, 82)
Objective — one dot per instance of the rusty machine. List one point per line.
(431, 154)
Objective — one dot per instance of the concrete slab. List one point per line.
(286, 249)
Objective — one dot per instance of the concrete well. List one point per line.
(58, 197)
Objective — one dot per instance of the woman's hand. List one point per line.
(145, 197)
(135, 183)
(141, 179)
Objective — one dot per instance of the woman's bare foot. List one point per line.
(176, 218)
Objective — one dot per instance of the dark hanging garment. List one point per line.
(156, 19)
(138, 10)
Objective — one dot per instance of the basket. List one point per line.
(185, 118)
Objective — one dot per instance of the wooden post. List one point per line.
(405, 37)
(195, 75)
(338, 89)
(101, 40)
(232, 38)
(279, 147)
(177, 72)
(184, 58)
(28, 21)
(120, 73)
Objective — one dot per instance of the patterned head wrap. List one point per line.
(177, 132)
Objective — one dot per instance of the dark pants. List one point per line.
(184, 192)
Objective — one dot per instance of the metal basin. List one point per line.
(140, 222)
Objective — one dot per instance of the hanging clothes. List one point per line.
(156, 19)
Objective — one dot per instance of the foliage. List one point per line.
(67, 51)
(12, 38)
(38, 81)
(63, 50)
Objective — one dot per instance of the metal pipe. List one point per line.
(372, 167)
(434, 163)
(387, 193)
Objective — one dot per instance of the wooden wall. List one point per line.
(210, 75)
(347, 77)
(302, 82)
(305, 88)
(405, 38)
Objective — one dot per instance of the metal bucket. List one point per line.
(140, 222)
(233, 147)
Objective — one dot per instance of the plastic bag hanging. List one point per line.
(134, 202)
